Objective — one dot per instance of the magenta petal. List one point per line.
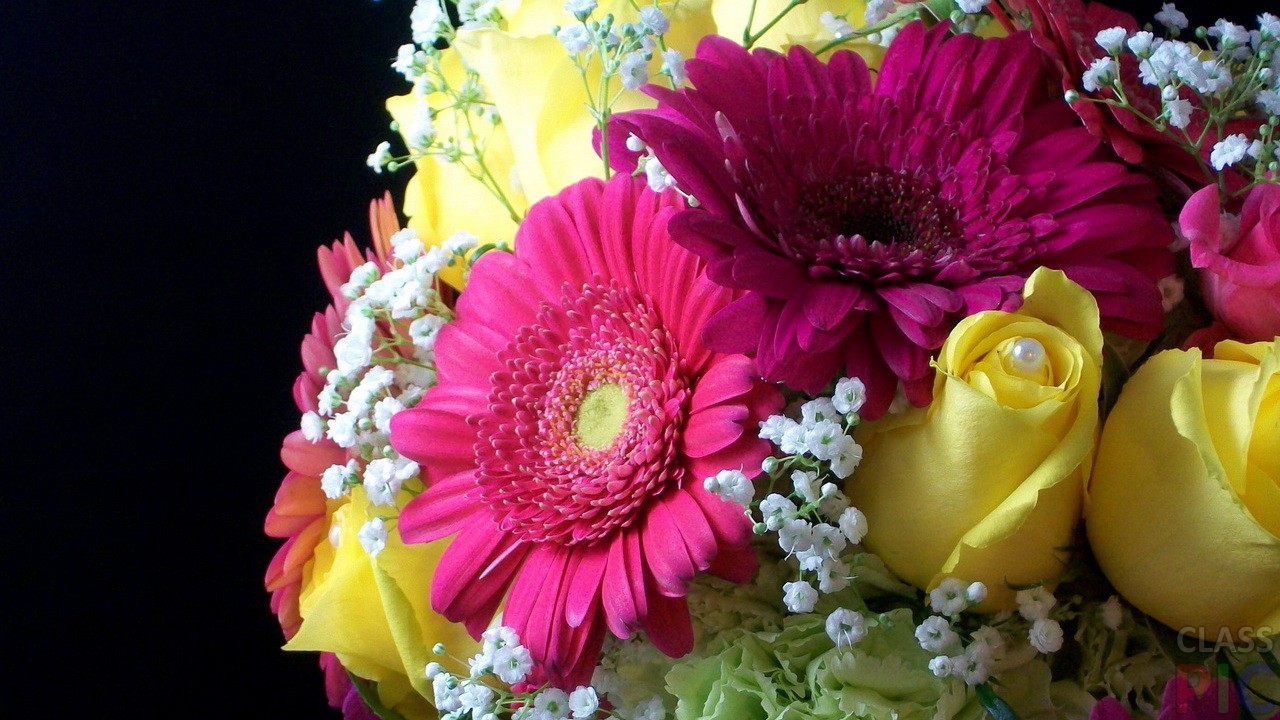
(664, 553)
(668, 625)
(442, 510)
(586, 583)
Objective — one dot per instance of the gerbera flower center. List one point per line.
(584, 422)
(601, 415)
(900, 211)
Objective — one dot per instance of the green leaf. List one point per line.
(1114, 375)
(997, 708)
(368, 691)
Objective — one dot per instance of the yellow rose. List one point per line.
(374, 612)
(986, 483)
(1183, 510)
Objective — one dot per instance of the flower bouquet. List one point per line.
(787, 359)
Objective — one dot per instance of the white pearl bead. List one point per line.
(1028, 356)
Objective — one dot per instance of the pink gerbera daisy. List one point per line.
(576, 416)
(864, 220)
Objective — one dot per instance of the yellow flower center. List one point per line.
(601, 416)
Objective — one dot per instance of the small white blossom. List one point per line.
(342, 429)
(1179, 112)
(971, 7)
(580, 8)
(774, 426)
(435, 259)
(1171, 17)
(828, 541)
(460, 242)
(673, 66)
(1229, 151)
(1269, 25)
(987, 642)
(734, 486)
(777, 510)
(512, 664)
(876, 11)
(837, 25)
(819, 410)
(418, 129)
(949, 597)
(424, 331)
(1100, 74)
(448, 693)
(334, 480)
(941, 666)
(551, 704)
(1269, 100)
(799, 596)
(1112, 613)
(383, 411)
(583, 702)
(634, 70)
(574, 38)
(833, 576)
(1230, 34)
(795, 535)
(312, 426)
(1141, 43)
(635, 144)
(972, 668)
(380, 481)
(848, 455)
(823, 439)
(477, 697)
(1035, 604)
(432, 670)
(409, 62)
(1046, 635)
(849, 396)
(373, 537)
(353, 353)
(478, 13)
(846, 627)
(656, 175)
(654, 19)
(935, 634)
(427, 21)
(853, 524)
(380, 156)
(792, 441)
(806, 483)
(1112, 39)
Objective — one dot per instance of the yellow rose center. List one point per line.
(601, 416)
(1019, 371)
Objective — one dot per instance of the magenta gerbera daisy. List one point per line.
(864, 219)
(576, 417)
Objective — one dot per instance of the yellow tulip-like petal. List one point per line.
(444, 198)
(986, 483)
(374, 612)
(1182, 507)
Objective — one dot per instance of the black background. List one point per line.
(166, 173)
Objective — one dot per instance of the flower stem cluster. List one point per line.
(471, 117)
(619, 50)
(484, 694)
(1221, 75)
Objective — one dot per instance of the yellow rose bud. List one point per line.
(375, 613)
(1183, 510)
(986, 483)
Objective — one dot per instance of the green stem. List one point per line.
(749, 40)
(746, 31)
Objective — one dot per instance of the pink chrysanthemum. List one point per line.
(864, 220)
(576, 417)
(299, 515)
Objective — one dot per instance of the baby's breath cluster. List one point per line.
(974, 650)
(501, 663)
(1221, 74)
(618, 50)
(456, 124)
(384, 363)
(813, 521)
